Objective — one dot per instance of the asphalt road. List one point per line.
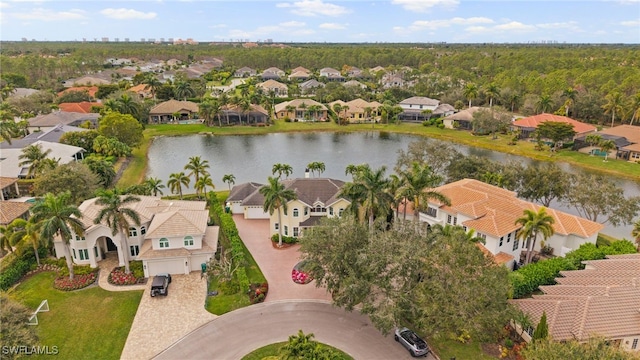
(236, 334)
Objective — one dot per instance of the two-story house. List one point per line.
(492, 212)
(173, 237)
(279, 89)
(331, 74)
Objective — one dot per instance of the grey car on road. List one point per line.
(410, 340)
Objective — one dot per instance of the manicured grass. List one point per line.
(448, 349)
(274, 349)
(224, 303)
(91, 323)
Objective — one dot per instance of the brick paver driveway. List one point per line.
(276, 264)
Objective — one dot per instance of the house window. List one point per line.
(80, 238)
(188, 240)
(164, 243)
(515, 245)
(433, 212)
(133, 232)
(74, 253)
(276, 226)
(84, 254)
(483, 236)
(455, 220)
(464, 228)
(340, 212)
(143, 230)
(449, 218)
(509, 238)
(295, 212)
(501, 241)
(306, 211)
(134, 250)
(634, 344)
(295, 231)
(331, 210)
(286, 230)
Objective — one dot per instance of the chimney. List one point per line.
(306, 173)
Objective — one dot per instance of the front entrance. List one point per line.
(110, 245)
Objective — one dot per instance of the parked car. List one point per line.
(160, 284)
(410, 340)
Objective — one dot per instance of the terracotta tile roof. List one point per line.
(494, 210)
(603, 302)
(500, 258)
(630, 132)
(139, 88)
(81, 107)
(300, 68)
(172, 106)
(7, 181)
(177, 223)
(534, 121)
(92, 90)
(420, 100)
(10, 210)
(465, 115)
(272, 84)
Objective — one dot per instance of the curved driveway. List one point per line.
(239, 332)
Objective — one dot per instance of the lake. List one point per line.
(251, 157)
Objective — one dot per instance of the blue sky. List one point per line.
(572, 21)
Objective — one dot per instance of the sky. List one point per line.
(424, 21)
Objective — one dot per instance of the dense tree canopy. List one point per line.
(75, 177)
(125, 128)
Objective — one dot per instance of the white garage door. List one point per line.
(256, 213)
(173, 266)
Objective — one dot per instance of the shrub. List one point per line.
(77, 270)
(620, 247)
(229, 287)
(527, 279)
(80, 281)
(15, 268)
(440, 126)
(136, 268)
(285, 239)
(118, 277)
(287, 119)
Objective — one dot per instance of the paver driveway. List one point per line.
(276, 264)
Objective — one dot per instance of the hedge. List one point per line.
(14, 269)
(285, 239)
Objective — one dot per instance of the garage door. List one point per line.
(173, 266)
(256, 213)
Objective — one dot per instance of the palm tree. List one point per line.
(197, 167)
(613, 105)
(418, 183)
(635, 107)
(224, 104)
(593, 140)
(34, 157)
(314, 109)
(7, 129)
(291, 110)
(337, 108)
(316, 166)
(118, 215)
(570, 94)
(153, 84)
(534, 223)
(513, 100)
(58, 216)
(636, 233)
(128, 106)
(202, 184)
(209, 109)
(28, 233)
(276, 197)
(470, 92)
(229, 179)
(493, 91)
(183, 89)
(176, 181)
(544, 103)
(368, 191)
(155, 185)
(285, 169)
(606, 146)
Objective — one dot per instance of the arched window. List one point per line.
(143, 230)
(164, 243)
(133, 232)
(188, 240)
(295, 212)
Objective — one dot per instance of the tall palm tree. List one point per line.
(470, 92)
(58, 216)
(291, 110)
(183, 90)
(613, 105)
(203, 182)
(209, 109)
(224, 104)
(34, 157)
(279, 168)
(534, 223)
(127, 105)
(513, 100)
(176, 181)
(230, 179)
(118, 215)
(314, 109)
(544, 103)
(155, 185)
(636, 233)
(153, 84)
(368, 191)
(570, 94)
(493, 91)
(28, 234)
(606, 146)
(418, 183)
(635, 107)
(316, 166)
(7, 129)
(197, 167)
(276, 197)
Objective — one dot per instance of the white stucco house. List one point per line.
(316, 198)
(492, 211)
(173, 237)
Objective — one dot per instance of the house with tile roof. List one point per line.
(331, 74)
(625, 137)
(244, 72)
(143, 91)
(492, 212)
(10, 159)
(86, 81)
(165, 111)
(601, 300)
(173, 237)
(527, 126)
(299, 110)
(12, 210)
(272, 73)
(301, 69)
(46, 122)
(461, 120)
(420, 108)
(9, 188)
(83, 107)
(52, 135)
(299, 76)
(278, 88)
(235, 114)
(316, 198)
(309, 87)
(358, 110)
(91, 90)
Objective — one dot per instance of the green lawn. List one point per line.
(448, 349)
(274, 349)
(90, 323)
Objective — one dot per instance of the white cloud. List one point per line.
(42, 14)
(4, 5)
(314, 8)
(630, 23)
(292, 28)
(421, 25)
(127, 14)
(332, 26)
(514, 26)
(571, 25)
(425, 5)
(292, 24)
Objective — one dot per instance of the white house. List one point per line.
(245, 199)
(420, 108)
(10, 159)
(492, 212)
(173, 237)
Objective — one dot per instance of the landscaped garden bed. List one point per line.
(258, 292)
(299, 275)
(83, 276)
(119, 277)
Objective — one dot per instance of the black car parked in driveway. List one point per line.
(160, 285)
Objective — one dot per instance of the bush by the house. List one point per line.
(79, 281)
(118, 277)
(136, 269)
(285, 239)
(77, 270)
(15, 267)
